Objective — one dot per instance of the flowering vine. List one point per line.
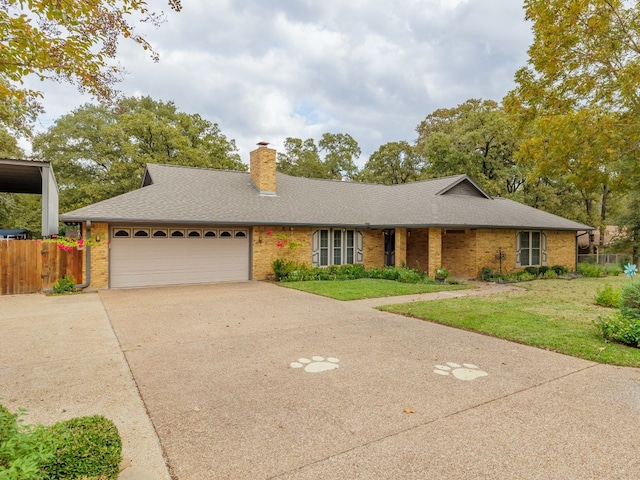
(283, 241)
(68, 244)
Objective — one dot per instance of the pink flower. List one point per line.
(270, 232)
(80, 242)
(38, 242)
(280, 244)
(60, 246)
(54, 235)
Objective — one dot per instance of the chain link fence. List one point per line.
(605, 258)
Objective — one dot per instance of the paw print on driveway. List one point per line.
(466, 371)
(316, 364)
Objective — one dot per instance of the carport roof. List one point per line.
(174, 194)
(21, 176)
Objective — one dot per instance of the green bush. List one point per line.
(65, 284)
(560, 270)
(624, 325)
(613, 269)
(85, 447)
(406, 275)
(23, 449)
(81, 448)
(532, 271)
(608, 296)
(486, 274)
(548, 274)
(630, 302)
(619, 329)
(542, 270)
(282, 268)
(591, 270)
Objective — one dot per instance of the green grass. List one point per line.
(367, 288)
(554, 315)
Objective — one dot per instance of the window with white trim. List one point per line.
(336, 246)
(531, 249)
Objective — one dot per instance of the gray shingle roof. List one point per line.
(203, 196)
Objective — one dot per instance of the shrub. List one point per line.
(543, 269)
(23, 450)
(548, 274)
(591, 270)
(283, 268)
(85, 447)
(630, 302)
(560, 270)
(406, 275)
(624, 325)
(613, 269)
(532, 271)
(619, 329)
(608, 296)
(80, 448)
(65, 284)
(486, 274)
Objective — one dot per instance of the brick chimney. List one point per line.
(262, 169)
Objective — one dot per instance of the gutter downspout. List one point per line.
(88, 260)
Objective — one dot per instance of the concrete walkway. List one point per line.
(254, 381)
(59, 358)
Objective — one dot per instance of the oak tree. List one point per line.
(99, 151)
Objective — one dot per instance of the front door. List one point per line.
(390, 248)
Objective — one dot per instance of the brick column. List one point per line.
(99, 255)
(401, 247)
(435, 250)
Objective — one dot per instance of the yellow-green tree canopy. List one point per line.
(584, 53)
(70, 40)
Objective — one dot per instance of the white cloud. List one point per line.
(271, 70)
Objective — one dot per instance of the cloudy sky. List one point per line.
(300, 68)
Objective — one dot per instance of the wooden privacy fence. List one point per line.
(31, 266)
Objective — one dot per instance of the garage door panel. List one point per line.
(139, 262)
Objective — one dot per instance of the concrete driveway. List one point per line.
(254, 381)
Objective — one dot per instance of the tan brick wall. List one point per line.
(266, 250)
(99, 255)
(262, 169)
(561, 249)
(459, 252)
(489, 241)
(418, 249)
(373, 251)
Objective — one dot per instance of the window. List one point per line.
(142, 233)
(194, 234)
(225, 234)
(241, 234)
(336, 246)
(210, 234)
(159, 234)
(121, 232)
(531, 249)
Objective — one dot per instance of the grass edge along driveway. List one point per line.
(555, 315)
(362, 288)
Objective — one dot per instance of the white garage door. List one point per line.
(141, 257)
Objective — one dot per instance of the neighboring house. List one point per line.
(189, 225)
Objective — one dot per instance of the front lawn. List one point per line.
(554, 315)
(367, 288)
